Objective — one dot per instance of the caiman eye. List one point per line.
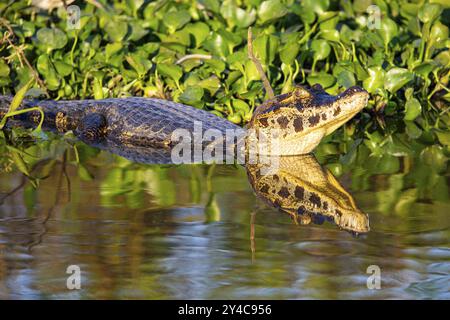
(318, 87)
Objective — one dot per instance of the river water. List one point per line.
(199, 231)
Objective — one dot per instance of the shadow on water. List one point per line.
(140, 227)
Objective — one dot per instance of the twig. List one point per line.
(252, 234)
(258, 65)
(21, 55)
(194, 56)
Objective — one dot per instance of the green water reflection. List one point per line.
(199, 231)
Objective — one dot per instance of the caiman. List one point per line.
(303, 117)
(308, 192)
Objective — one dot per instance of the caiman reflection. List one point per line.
(308, 192)
(297, 185)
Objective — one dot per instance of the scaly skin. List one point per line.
(299, 186)
(303, 117)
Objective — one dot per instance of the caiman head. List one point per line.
(299, 120)
(299, 186)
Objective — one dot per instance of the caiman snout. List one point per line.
(353, 100)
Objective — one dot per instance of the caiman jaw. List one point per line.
(345, 107)
(302, 118)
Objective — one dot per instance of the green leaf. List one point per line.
(46, 68)
(116, 30)
(191, 95)
(4, 69)
(289, 53)
(51, 38)
(425, 68)
(412, 130)
(169, 70)
(236, 16)
(429, 12)
(63, 69)
(412, 109)
(139, 63)
(346, 79)
(444, 137)
(321, 49)
(112, 48)
(438, 33)
(199, 30)
(212, 84)
(265, 48)
(375, 79)
(388, 30)
(317, 6)
(271, 10)
(19, 96)
(174, 20)
(396, 78)
(324, 79)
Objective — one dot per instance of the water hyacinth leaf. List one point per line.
(51, 38)
(321, 49)
(112, 48)
(237, 16)
(217, 45)
(4, 69)
(443, 137)
(388, 30)
(396, 78)
(324, 79)
(46, 68)
(192, 95)
(265, 48)
(236, 118)
(375, 79)
(438, 33)
(174, 20)
(251, 71)
(289, 53)
(307, 17)
(346, 79)
(412, 109)
(133, 5)
(137, 31)
(63, 69)
(215, 64)
(172, 71)
(199, 30)
(317, 6)
(240, 106)
(361, 6)
(271, 10)
(412, 130)
(429, 12)
(212, 84)
(116, 30)
(425, 68)
(139, 63)
(330, 35)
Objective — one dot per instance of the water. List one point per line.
(184, 232)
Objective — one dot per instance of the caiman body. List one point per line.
(302, 118)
